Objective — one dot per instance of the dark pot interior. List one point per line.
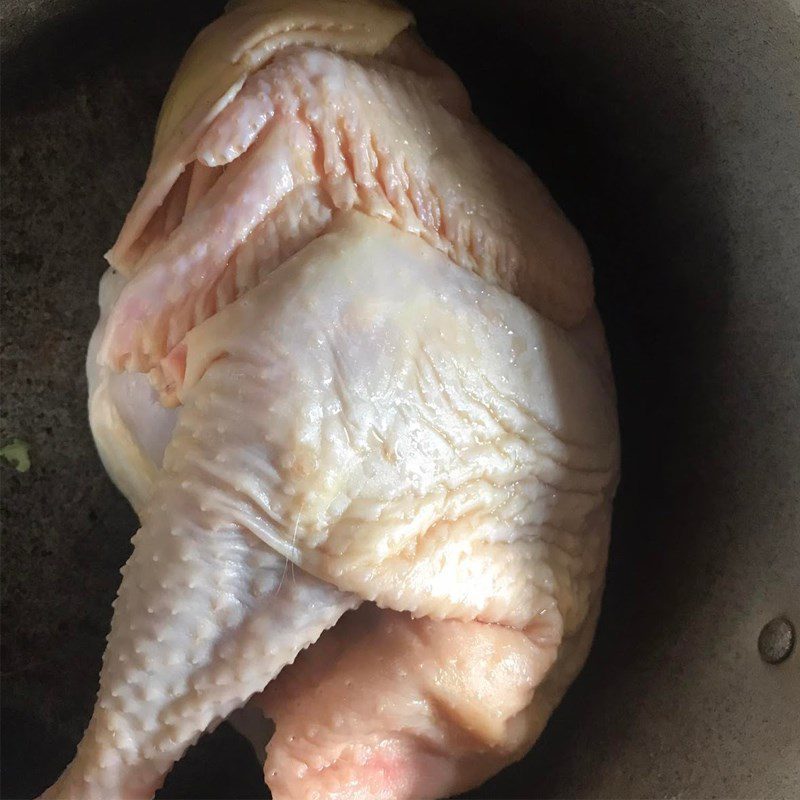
(670, 133)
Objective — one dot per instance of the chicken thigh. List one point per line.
(347, 359)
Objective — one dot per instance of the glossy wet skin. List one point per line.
(380, 411)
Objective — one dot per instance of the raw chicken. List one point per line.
(347, 356)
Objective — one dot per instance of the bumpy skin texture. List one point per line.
(376, 380)
(371, 414)
(315, 133)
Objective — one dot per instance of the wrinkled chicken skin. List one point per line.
(439, 691)
(322, 133)
(386, 388)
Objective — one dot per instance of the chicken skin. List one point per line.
(349, 373)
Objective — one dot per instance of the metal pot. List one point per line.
(670, 133)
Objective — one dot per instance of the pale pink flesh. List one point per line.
(213, 70)
(369, 136)
(322, 268)
(388, 707)
(324, 413)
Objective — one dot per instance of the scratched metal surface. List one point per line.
(670, 132)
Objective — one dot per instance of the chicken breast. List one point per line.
(347, 359)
